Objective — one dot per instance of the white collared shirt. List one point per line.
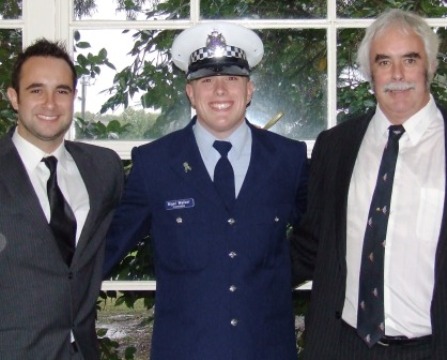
(239, 155)
(68, 176)
(414, 223)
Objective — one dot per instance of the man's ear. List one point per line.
(13, 98)
(250, 91)
(190, 92)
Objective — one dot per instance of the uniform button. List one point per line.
(276, 219)
(179, 220)
(232, 288)
(231, 221)
(70, 275)
(233, 322)
(232, 254)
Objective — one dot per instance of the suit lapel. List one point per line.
(93, 186)
(15, 179)
(441, 251)
(261, 167)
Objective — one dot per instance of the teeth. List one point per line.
(220, 106)
(45, 117)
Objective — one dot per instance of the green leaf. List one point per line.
(82, 45)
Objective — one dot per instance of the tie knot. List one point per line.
(51, 163)
(395, 132)
(223, 147)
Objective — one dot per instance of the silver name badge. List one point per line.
(179, 204)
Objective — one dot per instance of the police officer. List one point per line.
(216, 198)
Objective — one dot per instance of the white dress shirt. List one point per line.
(239, 154)
(414, 223)
(68, 177)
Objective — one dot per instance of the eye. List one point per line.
(384, 62)
(206, 80)
(410, 61)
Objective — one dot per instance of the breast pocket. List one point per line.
(266, 237)
(430, 214)
(182, 240)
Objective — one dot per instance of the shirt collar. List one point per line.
(31, 155)
(415, 126)
(205, 140)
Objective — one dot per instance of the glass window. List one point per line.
(11, 44)
(354, 95)
(11, 9)
(291, 80)
(370, 9)
(248, 9)
(128, 90)
(290, 83)
(130, 10)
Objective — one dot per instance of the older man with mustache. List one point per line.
(374, 236)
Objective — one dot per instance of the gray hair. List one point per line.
(407, 21)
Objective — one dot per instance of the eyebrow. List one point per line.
(411, 55)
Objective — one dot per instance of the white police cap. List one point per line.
(217, 49)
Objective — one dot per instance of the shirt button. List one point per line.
(232, 254)
(232, 288)
(233, 322)
(276, 219)
(179, 220)
(231, 221)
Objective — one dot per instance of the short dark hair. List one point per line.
(44, 48)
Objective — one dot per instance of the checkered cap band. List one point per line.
(217, 52)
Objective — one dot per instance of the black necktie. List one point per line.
(370, 312)
(62, 219)
(223, 174)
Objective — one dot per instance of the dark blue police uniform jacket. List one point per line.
(223, 277)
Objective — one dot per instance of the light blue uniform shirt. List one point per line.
(239, 154)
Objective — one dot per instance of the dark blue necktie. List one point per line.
(370, 312)
(224, 174)
(62, 219)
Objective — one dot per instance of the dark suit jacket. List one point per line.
(323, 232)
(223, 277)
(41, 298)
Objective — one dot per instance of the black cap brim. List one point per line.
(216, 67)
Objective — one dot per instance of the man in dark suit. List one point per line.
(380, 297)
(50, 279)
(222, 262)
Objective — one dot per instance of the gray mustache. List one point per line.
(399, 86)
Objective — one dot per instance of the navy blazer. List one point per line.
(319, 247)
(223, 277)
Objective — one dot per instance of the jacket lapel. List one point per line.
(15, 180)
(93, 186)
(261, 167)
(441, 251)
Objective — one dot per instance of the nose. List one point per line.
(49, 100)
(220, 86)
(397, 72)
